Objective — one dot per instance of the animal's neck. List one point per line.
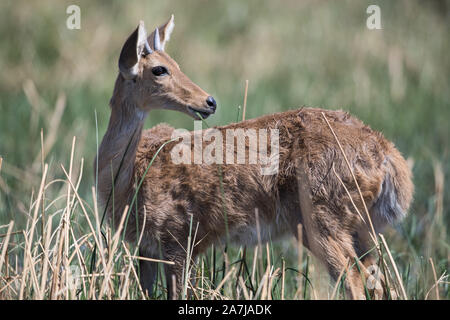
(117, 153)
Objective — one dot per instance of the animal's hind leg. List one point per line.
(333, 245)
(338, 255)
(373, 269)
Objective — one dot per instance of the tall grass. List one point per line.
(58, 262)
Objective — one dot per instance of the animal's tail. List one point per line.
(396, 192)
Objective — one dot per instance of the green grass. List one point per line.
(316, 54)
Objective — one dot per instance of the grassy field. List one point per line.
(56, 83)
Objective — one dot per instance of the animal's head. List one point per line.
(155, 80)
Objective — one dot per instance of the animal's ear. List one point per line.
(164, 35)
(132, 51)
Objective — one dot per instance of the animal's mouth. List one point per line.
(202, 113)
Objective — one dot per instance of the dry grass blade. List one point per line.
(435, 279)
(244, 289)
(255, 257)
(261, 285)
(31, 266)
(265, 283)
(97, 219)
(5, 245)
(439, 178)
(333, 295)
(66, 225)
(57, 263)
(174, 287)
(43, 198)
(399, 279)
(259, 246)
(77, 244)
(245, 100)
(272, 278)
(115, 243)
(224, 280)
(299, 259)
(271, 268)
(126, 283)
(45, 258)
(152, 260)
(38, 201)
(441, 279)
(350, 284)
(29, 241)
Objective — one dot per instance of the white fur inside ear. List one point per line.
(168, 31)
(142, 38)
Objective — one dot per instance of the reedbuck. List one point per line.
(339, 180)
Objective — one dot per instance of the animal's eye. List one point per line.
(159, 71)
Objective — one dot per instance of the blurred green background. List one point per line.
(294, 53)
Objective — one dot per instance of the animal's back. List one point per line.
(172, 191)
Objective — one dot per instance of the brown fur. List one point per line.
(171, 193)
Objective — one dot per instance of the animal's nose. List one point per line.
(211, 103)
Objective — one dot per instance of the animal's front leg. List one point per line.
(147, 272)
